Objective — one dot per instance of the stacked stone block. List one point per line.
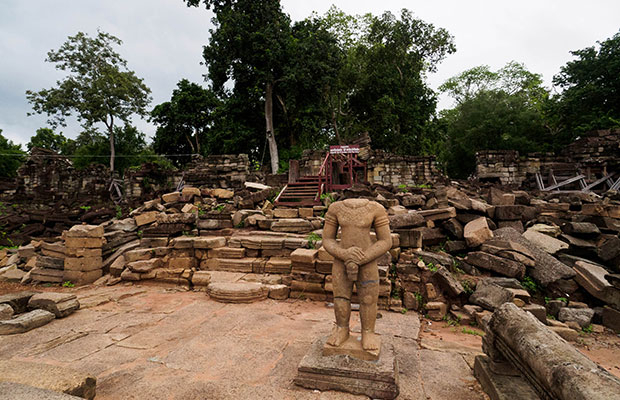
(83, 262)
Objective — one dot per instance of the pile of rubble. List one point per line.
(458, 252)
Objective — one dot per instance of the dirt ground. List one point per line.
(165, 343)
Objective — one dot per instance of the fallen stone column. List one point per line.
(556, 369)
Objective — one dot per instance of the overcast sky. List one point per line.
(163, 39)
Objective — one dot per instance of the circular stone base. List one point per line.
(237, 292)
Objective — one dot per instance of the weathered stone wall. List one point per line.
(382, 167)
(219, 171)
(595, 154)
(47, 177)
(390, 169)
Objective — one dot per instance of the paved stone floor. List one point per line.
(144, 342)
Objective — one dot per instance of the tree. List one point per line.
(185, 120)
(498, 110)
(248, 47)
(47, 139)
(92, 147)
(11, 157)
(383, 88)
(590, 89)
(98, 89)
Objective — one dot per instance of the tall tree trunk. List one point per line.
(112, 151)
(273, 145)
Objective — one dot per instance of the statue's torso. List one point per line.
(355, 217)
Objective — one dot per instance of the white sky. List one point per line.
(163, 39)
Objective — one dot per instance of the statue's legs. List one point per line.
(343, 288)
(368, 292)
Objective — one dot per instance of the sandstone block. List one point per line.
(172, 197)
(406, 220)
(90, 231)
(49, 262)
(582, 316)
(146, 218)
(306, 213)
(544, 242)
(201, 278)
(82, 277)
(278, 265)
(500, 265)
(307, 256)
(209, 242)
(182, 262)
(477, 232)
(24, 323)
(144, 266)
(286, 213)
(74, 242)
(83, 252)
(237, 292)
(83, 263)
(278, 292)
(491, 296)
(60, 304)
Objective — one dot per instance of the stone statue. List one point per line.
(355, 261)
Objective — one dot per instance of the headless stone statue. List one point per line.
(355, 262)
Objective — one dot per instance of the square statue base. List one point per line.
(352, 347)
(376, 379)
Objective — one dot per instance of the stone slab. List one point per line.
(60, 304)
(50, 377)
(18, 300)
(25, 322)
(17, 391)
(378, 379)
(502, 387)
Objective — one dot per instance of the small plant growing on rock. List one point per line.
(403, 188)
(313, 238)
(529, 284)
(68, 284)
(587, 329)
(119, 212)
(86, 208)
(472, 332)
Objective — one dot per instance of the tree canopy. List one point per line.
(590, 89)
(46, 138)
(499, 110)
(10, 158)
(98, 88)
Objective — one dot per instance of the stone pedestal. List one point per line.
(353, 348)
(376, 379)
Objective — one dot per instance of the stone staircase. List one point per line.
(303, 192)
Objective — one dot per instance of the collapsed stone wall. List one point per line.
(48, 177)
(595, 154)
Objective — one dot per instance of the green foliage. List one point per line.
(500, 110)
(529, 284)
(68, 284)
(46, 138)
(468, 287)
(11, 158)
(590, 90)
(119, 212)
(451, 322)
(402, 188)
(99, 89)
(93, 146)
(313, 238)
(184, 122)
(472, 332)
(587, 329)
(86, 208)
